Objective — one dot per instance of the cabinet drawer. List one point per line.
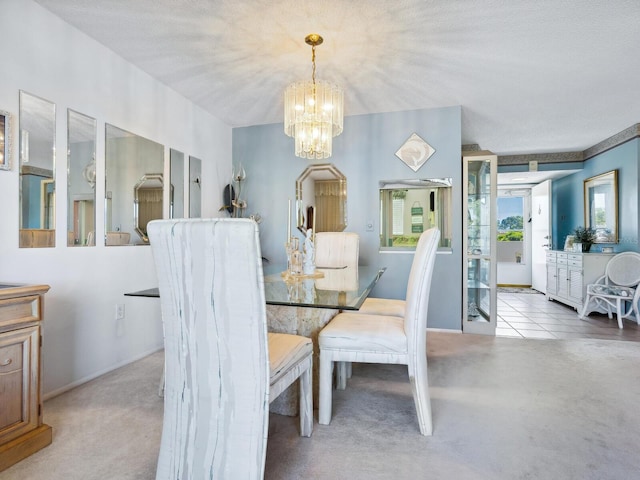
(10, 358)
(551, 257)
(562, 261)
(562, 255)
(575, 257)
(20, 310)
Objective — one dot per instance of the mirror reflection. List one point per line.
(147, 196)
(601, 206)
(321, 197)
(176, 173)
(128, 159)
(37, 180)
(410, 207)
(195, 186)
(81, 178)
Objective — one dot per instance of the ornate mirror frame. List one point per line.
(601, 206)
(333, 197)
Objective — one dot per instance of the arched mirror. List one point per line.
(147, 198)
(321, 198)
(81, 178)
(37, 180)
(129, 159)
(176, 202)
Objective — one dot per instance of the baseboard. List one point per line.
(93, 376)
(443, 330)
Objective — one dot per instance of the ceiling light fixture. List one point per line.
(313, 111)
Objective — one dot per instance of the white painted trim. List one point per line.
(444, 330)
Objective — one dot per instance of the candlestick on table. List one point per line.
(289, 223)
(313, 228)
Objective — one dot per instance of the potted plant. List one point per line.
(585, 236)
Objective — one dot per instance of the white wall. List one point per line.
(48, 58)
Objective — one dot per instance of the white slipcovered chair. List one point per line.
(337, 249)
(354, 337)
(222, 368)
(617, 289)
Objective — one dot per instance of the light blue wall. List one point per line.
(365, 154)
(568, 196)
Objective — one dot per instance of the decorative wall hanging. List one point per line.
(415, 152)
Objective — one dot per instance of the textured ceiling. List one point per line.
(532, 76)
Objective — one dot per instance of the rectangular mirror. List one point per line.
(37, 167)
(601, 206)
(195, 185)
(81, 179)
(134, 186)
(5, 140)
(410, 207)
(176, 169)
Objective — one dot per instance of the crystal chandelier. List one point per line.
(313, 111)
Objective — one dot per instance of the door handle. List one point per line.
(546, 245)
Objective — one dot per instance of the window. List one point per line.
(409, 207)
(510, 228)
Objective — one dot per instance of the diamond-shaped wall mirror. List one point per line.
(415, 152)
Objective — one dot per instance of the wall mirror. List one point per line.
(129, 158)
(37, 179)
(410, 207)
(176, 179)
(81, 179)
(321, 197)
(601, 206)
(5, 140)
(195, 187)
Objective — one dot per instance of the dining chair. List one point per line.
(222, 368)
(336, 249)
(354, 337)
(617, 289)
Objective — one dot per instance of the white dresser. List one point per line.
(568, 275)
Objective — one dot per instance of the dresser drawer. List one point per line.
(10, 357)
(18, 310)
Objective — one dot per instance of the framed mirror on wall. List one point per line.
(321, 197)
(37, 167)
(81, 179)
(410, 207)
(129, 159)
(601, 206)
(195, 187)
(176, 172)
(5, 140)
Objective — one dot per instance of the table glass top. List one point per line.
(338, 288)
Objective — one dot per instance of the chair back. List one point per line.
(216, 352)
(337, 249)
(418, 288)
(624, 269)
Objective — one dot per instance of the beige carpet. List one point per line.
(504, 408)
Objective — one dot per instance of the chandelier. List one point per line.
(313, 111)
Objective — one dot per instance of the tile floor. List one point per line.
(531, 315)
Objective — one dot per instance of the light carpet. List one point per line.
(503, 408)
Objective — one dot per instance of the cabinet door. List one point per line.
(479, 244)
(563, 277)
(19, 360)
(552, 279)
(575, 285)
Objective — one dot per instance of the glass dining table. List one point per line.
(303, 305)
(343, 288)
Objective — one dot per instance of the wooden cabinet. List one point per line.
(568, 275)
(22, 431)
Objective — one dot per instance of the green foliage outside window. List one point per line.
(510, 229)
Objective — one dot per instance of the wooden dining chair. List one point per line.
(353, 337)
(222, 368)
